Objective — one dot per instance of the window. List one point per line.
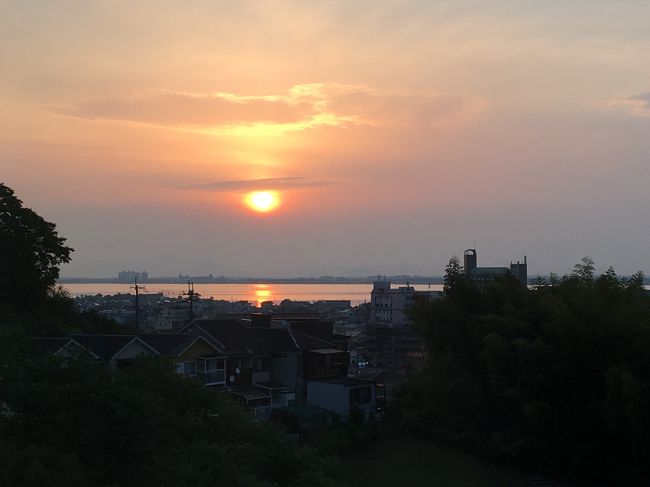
(261, 364)
(360, 395)
(214, 364)
(186, 368)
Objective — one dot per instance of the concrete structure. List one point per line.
(482, 275)
(131, 276)
(344, 396)
(388, 339)
(390, 305)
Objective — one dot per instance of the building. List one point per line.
(131, 276)
(345, 397)
(390, 305)
(482, 275)
(388, 340)
(263, 367)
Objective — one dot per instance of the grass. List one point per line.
(407, 461)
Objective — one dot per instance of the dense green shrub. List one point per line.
(555, 378)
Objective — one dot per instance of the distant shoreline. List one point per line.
(401, 279)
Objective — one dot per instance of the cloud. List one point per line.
(302, 107)
(179, 108)
(401, 107)
(241, 185)
(638, 105)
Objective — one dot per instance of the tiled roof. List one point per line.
(268, 340)
(48, 345)
(236, 337)
(168, 344)
(308, 342)
(104, 346)
(229, 333)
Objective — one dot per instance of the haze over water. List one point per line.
(253, 293)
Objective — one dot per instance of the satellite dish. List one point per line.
(231, 378)
(237, 370)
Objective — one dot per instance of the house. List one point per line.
(268, 366)
(263, 367)
(116, 350)
(344, 396)
(191, 356)
(261, 363)
(60, 347)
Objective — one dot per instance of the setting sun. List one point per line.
(263, 201)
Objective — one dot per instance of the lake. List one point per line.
(253, 293)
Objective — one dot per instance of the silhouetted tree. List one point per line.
(585, 270)
(554, 379)
(142, 426)
(453, 273)
(31, 252)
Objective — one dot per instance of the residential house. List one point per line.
(116, 350)
(60, 347)
(193, 356)
(269, 366)
(344, 396)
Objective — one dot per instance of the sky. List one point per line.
(394, 133)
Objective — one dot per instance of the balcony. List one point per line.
(213, 377)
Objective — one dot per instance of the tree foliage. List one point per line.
(554, 379)
(83, 424)
(31, 252)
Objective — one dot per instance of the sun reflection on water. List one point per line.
(262, 293)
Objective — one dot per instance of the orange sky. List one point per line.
(395, 133)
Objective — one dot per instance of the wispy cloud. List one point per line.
(302, 107)
(638, 105)
(240, 185)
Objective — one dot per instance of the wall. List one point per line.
(285, 370)
(199, 347)
(336, 398)
(333, 397)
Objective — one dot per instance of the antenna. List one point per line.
(137, 301)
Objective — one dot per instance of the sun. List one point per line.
(263, 201)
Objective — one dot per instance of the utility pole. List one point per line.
(191, 297)
(137, 302)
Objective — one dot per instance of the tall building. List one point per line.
(130, 276)
(389, 340)
(482, 275)
(389, 305)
